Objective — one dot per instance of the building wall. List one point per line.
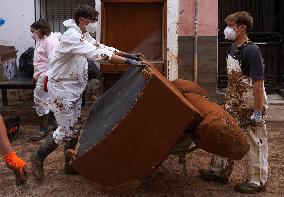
(207, 42)
(18, 15)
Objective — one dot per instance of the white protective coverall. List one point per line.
(43, 55)
(239, 102)
(67, 77)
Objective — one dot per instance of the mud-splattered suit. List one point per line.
(245, 64)
(68, 76)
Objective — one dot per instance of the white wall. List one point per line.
(172, 42)
(18, 15)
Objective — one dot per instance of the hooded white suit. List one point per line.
(68, 76)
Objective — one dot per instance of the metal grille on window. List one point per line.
(57, 11)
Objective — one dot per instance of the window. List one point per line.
(57, 11)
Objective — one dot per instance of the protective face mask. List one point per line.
(91, 27)
(35, 37)
(230, 34)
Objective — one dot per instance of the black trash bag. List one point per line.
(93, 71)
(26, 67)
(12, 126)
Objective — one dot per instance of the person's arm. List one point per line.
(50, 47)
(99, 54)
(5, 146)
(256, 72)
(258, 95)
(10, 157)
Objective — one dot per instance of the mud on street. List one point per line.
(167, 180)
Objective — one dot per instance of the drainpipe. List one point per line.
(195, 46)
(35, 9)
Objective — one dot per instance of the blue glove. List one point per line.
(136, 56)
(2, 22)
(136, 63)
(257, 118)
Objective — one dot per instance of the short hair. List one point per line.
(241, 18)
(85, 11)
(42, 26)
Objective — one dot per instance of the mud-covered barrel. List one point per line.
(131, 129)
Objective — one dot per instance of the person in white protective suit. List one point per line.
(67, 80)
(46, 43)
(246, 101)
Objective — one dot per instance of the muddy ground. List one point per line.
(167, 180)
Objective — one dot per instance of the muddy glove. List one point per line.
(135, 63)
(134, 56)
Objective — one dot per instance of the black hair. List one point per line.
(42, 26)
(85, 11)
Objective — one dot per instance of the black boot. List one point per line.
(43, 128)
(68, 169)
(52, 121)
(37, 158)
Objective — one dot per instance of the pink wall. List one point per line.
(208, 17)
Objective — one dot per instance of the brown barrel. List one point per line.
(220, 134)
(203, 105)
(131, 129)
(186, 86)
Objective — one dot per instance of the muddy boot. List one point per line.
(68, 169)
(18, 166)
(249, 188)
(210, 176)
(52, 121)
(43, 128)
(37, 158)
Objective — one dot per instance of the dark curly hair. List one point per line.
(85, 11)
(42, 26)
(241, 18)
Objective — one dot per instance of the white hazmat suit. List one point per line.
(67, 77)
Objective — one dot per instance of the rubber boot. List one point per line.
(68, 169)
(43, 128)
(52, 121)
(38, 157)
(249, 188)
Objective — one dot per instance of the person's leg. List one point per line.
(41, 101)
(71, 144)
(10, 157)
(63, 110)
(220, 170)
(257, 161)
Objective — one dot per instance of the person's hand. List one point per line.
(134, 56)
(135, 63)
(142, 64)
(257, 119)
(140, 57)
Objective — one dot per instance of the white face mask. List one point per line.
(230, 34)
(35, 37)
(91, 27)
